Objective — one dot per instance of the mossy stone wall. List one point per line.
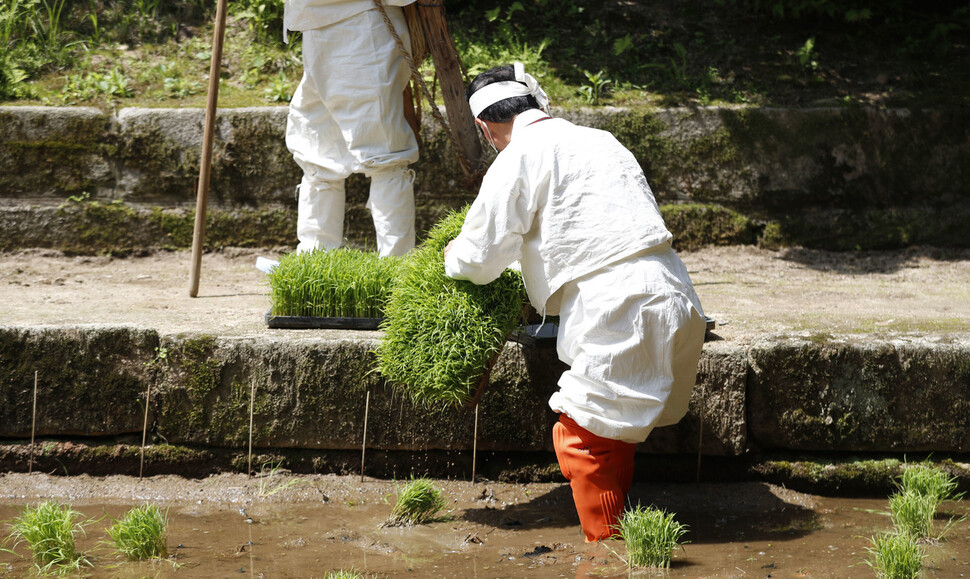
(834, 178)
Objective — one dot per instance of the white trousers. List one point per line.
(632, 333)
(347, 116)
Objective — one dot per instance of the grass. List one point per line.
(344, 574)
(140, 534)
(440, 333)
(929, 481)
(651, 535)
(912, 513)
(418, 502)
(895, 556)
(341, 283)
(145, 53)
(49, 529)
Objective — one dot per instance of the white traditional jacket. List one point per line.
(562, 199)
(310, 14)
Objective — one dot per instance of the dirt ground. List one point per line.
(282, 525)
(749, 291)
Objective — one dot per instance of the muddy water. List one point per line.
(280, 525)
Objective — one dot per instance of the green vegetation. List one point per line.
(931, 482)
(895, 556)
(140, 533)
(912, 513)
(344, 574)
(49, 529)
(338, 283)
(651, 535)
(585, 52)
(921, 490)
(440, 333)
(418, 502)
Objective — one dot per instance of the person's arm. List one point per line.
(491, 237)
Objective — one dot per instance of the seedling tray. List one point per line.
(321, 323)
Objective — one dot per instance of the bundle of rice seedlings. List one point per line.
(344, 574)
(337, 283)
(929, 481)
(417, 503)
(912, 513)
(895, 556)
(140, 534)
(440, 333)
(651, 535)
(49, 529)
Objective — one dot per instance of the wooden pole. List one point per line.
(445, 56)
(252, 401)
(363, 444)
(144, 430)
(202, 194)
(475, 444)
(33, 428)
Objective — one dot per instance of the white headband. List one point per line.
(490, 94)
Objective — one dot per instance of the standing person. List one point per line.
(572, 205)
(347, 116)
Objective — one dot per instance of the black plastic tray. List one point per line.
(321, 323)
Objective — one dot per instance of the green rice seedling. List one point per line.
(441, 333)
(344, 574)
(140, 534)
(929, 481)
(895, 556)
(338, 283)
(912, 513)
(49, 529)
(651, 535)
(417, 503)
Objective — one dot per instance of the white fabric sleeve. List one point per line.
(491, 237)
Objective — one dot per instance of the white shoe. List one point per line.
(266, 265)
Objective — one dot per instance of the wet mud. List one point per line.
(284, 525)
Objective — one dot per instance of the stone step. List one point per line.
(310, 391)
(88, 181)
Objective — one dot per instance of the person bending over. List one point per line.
(573, 207)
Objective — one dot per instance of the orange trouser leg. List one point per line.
(600, 472)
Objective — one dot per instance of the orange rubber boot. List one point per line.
(600, 472)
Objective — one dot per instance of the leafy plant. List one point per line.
(912, 513)
(895, 556)
(931, 482)
(440, 333)
(417, 503)
(335, 283)
(807, 57)
(140, 534)
(651, 535)
(678, 66)
(49, 529)
(91, 85)
(597, 84)
(279, 89)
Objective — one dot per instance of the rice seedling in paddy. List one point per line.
(441, 333)
(344, 574)
(49, 530)
(895, 556)
(651, 535)
(140, 534)
(912, 513)
(338, 283)
(929, 481)
(418, 502)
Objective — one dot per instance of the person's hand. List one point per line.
(448, 247)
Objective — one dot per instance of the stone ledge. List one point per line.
(310, 392)
(835, 178)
